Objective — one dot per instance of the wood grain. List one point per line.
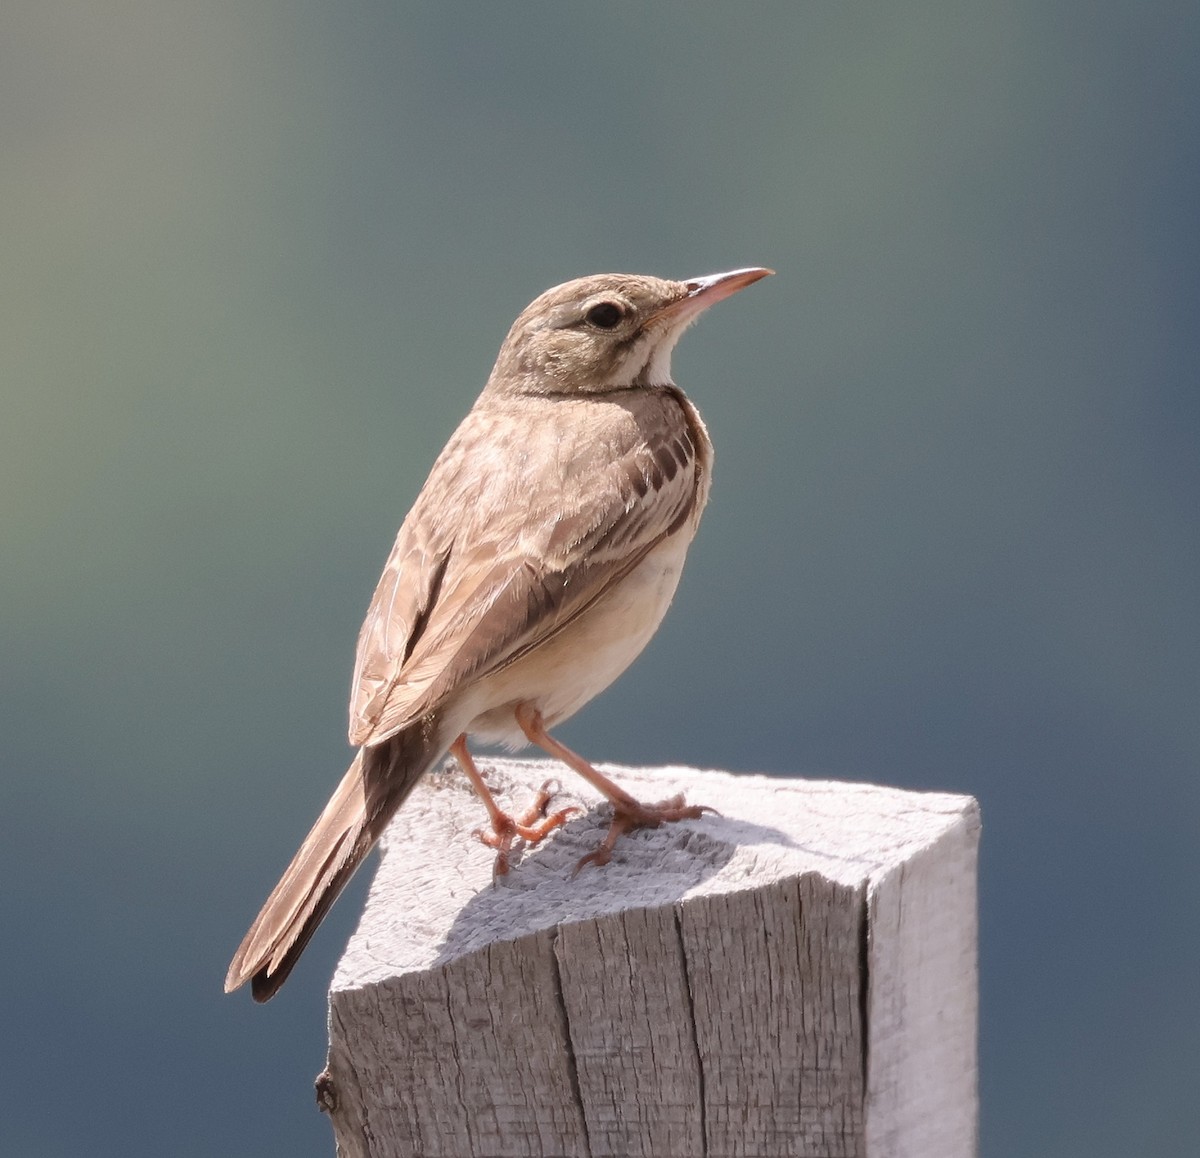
(795, 976)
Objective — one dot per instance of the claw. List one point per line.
(599, 857)
(532, 827)
(636, 815)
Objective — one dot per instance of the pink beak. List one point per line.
(705, 291)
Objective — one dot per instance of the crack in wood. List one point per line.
(677, 913)
(568, 1041)
(864, 983)
(457, 1059)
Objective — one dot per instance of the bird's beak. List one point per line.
(703, 292)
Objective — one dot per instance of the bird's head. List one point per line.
(606, 332)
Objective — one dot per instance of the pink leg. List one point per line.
(532, 826)
(628, 813)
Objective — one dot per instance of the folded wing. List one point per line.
(531, 556)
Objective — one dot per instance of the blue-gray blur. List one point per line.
(257, 261)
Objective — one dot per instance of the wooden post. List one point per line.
(794, 976)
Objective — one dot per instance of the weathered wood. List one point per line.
(796, 976)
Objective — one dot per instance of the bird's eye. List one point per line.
(605, 315)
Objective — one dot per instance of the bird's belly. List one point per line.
(561, 675)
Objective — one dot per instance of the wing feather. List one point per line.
(531, 555)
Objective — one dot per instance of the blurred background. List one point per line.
(257, 261)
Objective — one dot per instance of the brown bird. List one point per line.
(536, 563)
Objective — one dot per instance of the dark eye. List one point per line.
(605, 315)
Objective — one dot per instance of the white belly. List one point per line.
(559, 677)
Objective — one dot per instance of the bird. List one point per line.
(538, 560)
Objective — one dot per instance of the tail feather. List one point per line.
(265, 983)
(374, 787)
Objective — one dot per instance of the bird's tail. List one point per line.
(376, 784)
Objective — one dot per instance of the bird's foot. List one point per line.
(532, 826)
(633, 814)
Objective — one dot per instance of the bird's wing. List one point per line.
(524, 562)
(407, 592)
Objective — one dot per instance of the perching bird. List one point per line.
(536, 563)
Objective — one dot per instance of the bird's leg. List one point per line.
(628, 813)
(531, 826)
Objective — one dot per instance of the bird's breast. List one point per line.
(566, 671)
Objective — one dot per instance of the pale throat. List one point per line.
(648, 363)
